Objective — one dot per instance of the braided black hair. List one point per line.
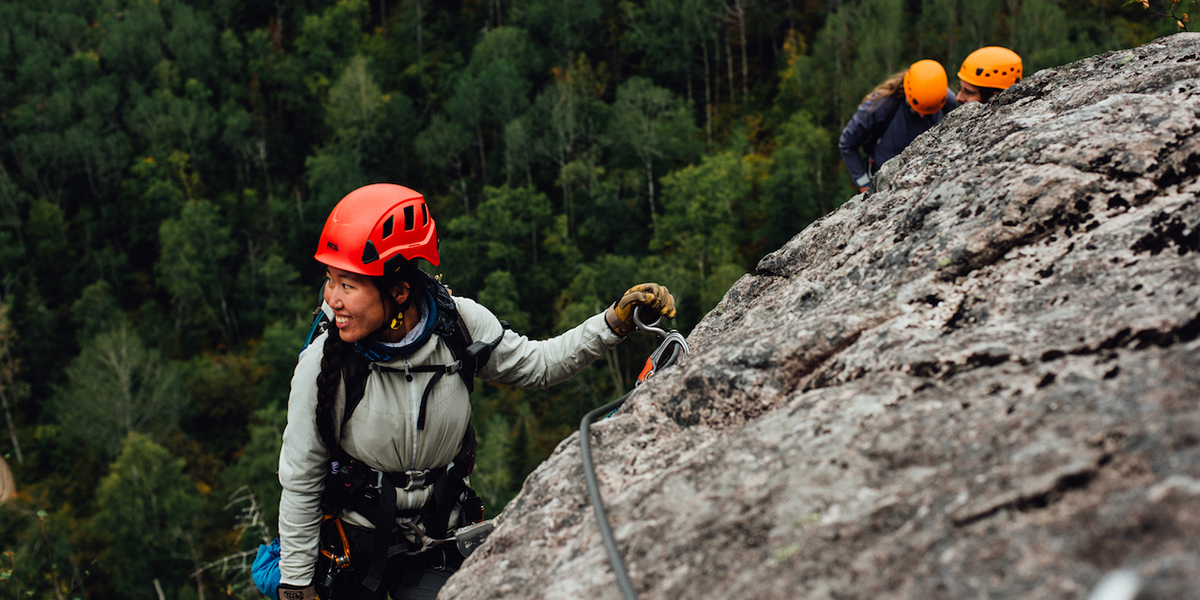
(327, 385)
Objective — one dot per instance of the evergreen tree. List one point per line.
(145, 511)
(115, 387)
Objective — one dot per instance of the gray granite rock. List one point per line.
(980, 379)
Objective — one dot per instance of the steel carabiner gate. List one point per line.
(673, 348)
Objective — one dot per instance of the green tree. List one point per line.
(256, 472)
(878, 32)
(505, 236)
(559, 114)
(501, 296)
(193, 267)
(493, 89)
(671, 37)
(13, 201)
(441, 146)
(594, 286)
(115, 387)
(52, 252)
(356, 107)
(276, 353)
(979, 23)
(40, 558)
(939, 32)
(568, 26)
(655, 124)
(798, 189)
(328, 41)
(502, 64)
(95, 312)
(700, 229)
(145, 508)
(492, 480)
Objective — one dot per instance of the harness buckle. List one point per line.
(378, 485)
(416, 480)
(453, 367)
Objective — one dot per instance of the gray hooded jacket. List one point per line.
(382, 430)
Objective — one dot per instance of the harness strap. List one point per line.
(384, 516)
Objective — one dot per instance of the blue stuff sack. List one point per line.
(265, 570)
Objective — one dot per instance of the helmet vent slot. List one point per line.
(424, 215)
(387, 226)
(408, 218)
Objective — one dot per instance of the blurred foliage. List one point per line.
(168, 165)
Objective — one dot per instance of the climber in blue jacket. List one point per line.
(890, 117)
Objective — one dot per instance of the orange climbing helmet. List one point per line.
(376, 225)
(925, 86)
(991, 67)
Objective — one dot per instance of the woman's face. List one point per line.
(358, 308)
(968, 93)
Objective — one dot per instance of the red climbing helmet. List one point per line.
(991, 67)
(925, 86)
(374, 225)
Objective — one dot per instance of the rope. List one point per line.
(589, 470)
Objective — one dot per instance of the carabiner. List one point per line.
(343, 561)
(649, 327)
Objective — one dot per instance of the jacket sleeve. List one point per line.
(302, 463)
(522, 362)
(855, 135)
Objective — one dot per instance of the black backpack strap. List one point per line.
(320, 322)
(473, 355)
(449, 486)
(354, 374)
(383, 519)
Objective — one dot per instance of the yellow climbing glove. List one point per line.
(620, 315)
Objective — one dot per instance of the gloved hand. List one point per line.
(619, 316)
(295, 592)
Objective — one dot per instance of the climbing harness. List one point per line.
(673, 348)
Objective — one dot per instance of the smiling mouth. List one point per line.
(340, 320)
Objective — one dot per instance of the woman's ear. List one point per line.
(400, 292)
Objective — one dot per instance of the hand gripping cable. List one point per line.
(673, 348)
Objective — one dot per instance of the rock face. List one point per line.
(981, 379)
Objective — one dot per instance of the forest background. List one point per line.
(167, 165)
